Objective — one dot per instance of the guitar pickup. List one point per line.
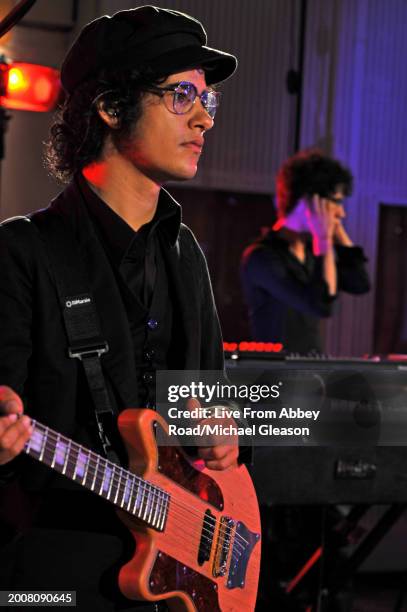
(205, 544)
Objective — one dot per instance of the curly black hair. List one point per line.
(77, 134)
(310, 172)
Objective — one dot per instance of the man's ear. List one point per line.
(109, 113)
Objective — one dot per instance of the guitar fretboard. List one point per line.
(125, 490)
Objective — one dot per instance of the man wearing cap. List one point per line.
(138, 104)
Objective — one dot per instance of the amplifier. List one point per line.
(362, 469)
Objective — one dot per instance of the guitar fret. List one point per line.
(74, 450)
(124, 490)
(147, 500)
(136, 499)
(118, 486)
(36, 441)
(44, 442)
(150, 503)
(81, 462)
(131, 494)
(103, 478)
(153, 502)
(163, 514)
(111, 483)
(28, 444)
(164, 511)
(75, 456)
(139, 498)
(54, 458)
(86, 469)
(142, 493)
(126, 485)
(61, 451)
(68, 450)
(95, 474)
(50, 450)
(157, 515)
(107, 478)
(161, 507)
(156, 508)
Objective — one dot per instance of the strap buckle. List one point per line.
(97, 349)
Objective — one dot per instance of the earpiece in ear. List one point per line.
(109, 108)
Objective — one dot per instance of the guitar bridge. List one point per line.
(225, 533)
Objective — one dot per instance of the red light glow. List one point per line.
(253, 347)
(17, 81)
(31, 87)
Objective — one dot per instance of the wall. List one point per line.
(43, 39)
(355, 93)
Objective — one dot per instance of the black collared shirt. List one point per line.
(131, 252)
(138, 260)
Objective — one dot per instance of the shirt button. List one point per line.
(148, 377)
(149, 354)
(152, 324)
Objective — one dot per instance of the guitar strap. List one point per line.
(80, 316)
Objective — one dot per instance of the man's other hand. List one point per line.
(224, 452)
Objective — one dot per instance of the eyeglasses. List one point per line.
(337, 201)
(184, 95)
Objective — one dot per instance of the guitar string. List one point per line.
(112, 466)
(59, 438)
(197, 533)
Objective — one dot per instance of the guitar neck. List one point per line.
(125, 490)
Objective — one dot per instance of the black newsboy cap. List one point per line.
(165, 40)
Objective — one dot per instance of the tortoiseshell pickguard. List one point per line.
(175, 466)
(170, 575)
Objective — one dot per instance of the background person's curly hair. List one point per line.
(307, 173)
(77, 134)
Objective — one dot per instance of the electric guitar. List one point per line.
(197, 531)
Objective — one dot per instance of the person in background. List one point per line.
(292, 274)
(291, 278)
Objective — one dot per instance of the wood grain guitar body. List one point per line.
(205, 554)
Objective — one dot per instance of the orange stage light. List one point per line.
(29, 87)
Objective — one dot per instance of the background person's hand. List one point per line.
(321, 221)
(341, 236)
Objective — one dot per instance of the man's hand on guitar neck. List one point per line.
(14, 431)
(220, 456)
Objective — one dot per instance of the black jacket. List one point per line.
(33, 344)
(286, 298)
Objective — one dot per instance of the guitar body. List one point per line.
(207, 557)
